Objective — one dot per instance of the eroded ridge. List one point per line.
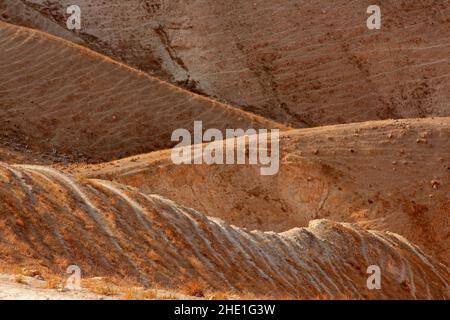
(59, 97)
(305, 63)
(49, 219)
(391, 175)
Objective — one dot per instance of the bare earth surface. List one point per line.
(305, 63)
(56, 106)
(11, 290)
(86, 178)
(114, 230)
(386, 175)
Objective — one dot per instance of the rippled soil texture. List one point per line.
(86, 120)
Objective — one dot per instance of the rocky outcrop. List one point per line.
(48, 217)
(385, 175)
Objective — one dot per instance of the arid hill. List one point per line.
(49, 218)
(386, 175)
(21, 13)
(60, 98)
(86, 119)
(306, 63)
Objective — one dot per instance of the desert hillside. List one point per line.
(58, 97)
(114, 230)
(385, 175)
(361, 155)
(305, 63)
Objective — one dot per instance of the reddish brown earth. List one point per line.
(75, 102)
(86, 176)
(384, 175)
(304, 63)
(49, 219)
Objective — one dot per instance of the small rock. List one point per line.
(39, 277)
(32, 273)
(421, 141)
(435, 184)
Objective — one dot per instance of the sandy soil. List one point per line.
(72, 102)
(386, 175)
(31, 289)
(306, 64)
(116, 231)
(85, 134)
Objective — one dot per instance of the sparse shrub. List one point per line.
(135, 294)
(194, 289)
(105, 290)
(20, 279)
(53, 282)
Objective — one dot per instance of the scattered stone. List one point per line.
(421, 141)
(435, 184)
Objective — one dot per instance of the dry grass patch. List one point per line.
(100, 286)
(105, 290)
(137, 294)
(20, 279)
(194, 289)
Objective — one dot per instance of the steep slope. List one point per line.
(306, 63)
(387, 175)
(18, 12)
(61, 98)
(346, 196)
(48, 219)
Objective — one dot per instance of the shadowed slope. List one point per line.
(307, 63)
(20, 13)
(62, 98)
(49, 219)
(386, 175)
